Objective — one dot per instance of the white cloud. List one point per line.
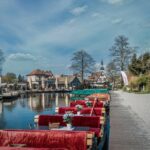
(50, 34)
(79, 10)
(21, 57)
(113, 1)
(96, 14)
(71, 21)
(117, 21)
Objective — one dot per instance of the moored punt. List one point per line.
(89, 91)
(100, 97)
(50, 139)
(82, 123)
(83, 103)
(91, 124)
(86, 121)
(10, 95)
(81, 94)
(18, 147)
(79, 124)
(85, 111)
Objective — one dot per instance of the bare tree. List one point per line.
(121, 52)
(82, 63)
(111, 72)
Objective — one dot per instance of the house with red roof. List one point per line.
(39, 79)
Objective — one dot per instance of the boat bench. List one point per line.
(29, 148)
(88, 121)
(46, 139)
(96, 111)
(83, 103)
(100, 97)
(93, 122)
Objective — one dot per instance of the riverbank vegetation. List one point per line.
(137, 68)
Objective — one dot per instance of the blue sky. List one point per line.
(45, 33)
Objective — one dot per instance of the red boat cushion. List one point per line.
(83, 103)
(86, 110)
(97, 131)
(70, 140)
(87, 121)
(28, 148)
(73, 104)
(45, 119)
(96, 111)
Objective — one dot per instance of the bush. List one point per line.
(144, 83)
(139, 84)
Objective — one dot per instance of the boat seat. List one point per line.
(55, 140)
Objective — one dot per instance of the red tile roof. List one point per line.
(39, 72)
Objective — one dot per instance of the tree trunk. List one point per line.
(82, 70)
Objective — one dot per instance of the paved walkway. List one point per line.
(127, 131)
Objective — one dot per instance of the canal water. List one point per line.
(19, 113)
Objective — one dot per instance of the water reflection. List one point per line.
(1, 107)
(19, 113)
(41, 102)
(2, 119)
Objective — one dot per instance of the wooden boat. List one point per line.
(10, 95)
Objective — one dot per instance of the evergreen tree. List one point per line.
(140, 65)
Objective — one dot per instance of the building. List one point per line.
(98, 78)
(67, 82)
(39, 79)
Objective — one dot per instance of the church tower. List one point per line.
(102, 66)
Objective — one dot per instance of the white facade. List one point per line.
(36, 80)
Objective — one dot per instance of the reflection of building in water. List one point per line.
(61, 99)
(66, 100)
(39, 102)
(43, 100)
(56, 101)
(1, 107)
(34, 103)
(2, 117)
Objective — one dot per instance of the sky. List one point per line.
(44, 34)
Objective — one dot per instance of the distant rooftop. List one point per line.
(41, 73)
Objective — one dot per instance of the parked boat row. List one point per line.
(82, 125)
(9, 95)
(16, 94)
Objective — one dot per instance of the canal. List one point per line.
(19, 113)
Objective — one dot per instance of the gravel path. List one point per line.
(129, 125)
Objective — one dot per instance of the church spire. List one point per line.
(102, 67)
